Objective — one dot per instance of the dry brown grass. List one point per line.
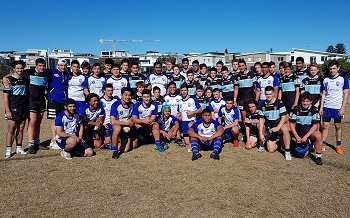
(146, 183)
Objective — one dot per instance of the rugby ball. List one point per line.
(126, 129)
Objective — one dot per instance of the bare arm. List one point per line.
(6, 103)
(345, 99)
(257, 94)
(81, 130)
(86, 91)
(61, 133)
(114, 121)
(323, 96)
(276, 90)
(219, 132)
(297, 95)
(280, 95)
(137, 120)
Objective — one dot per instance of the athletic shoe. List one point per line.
(318, 161)
(235, 143)
(261, 149)
(66, 155)
(20, 151)
(8, 153)
(115, 155)
(53, 145)
(215, 156)
(159, 148)
(339, 149)
(32, 150)
(288, 156)
(323, 148)
(179, 143)
(196, 156)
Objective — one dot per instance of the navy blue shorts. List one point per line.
(61, 142)
(109, 130)
(185, 128)
(329, 113)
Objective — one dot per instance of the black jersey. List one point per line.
(133, 79)
(246, 86)
(213, 83)
(18, 93)
(272, 112)
(227, 86)
(178, 79)
(192, 87)
(312, 85)
(159, 101)
(304, 118)
(288, 85)
(38, 83)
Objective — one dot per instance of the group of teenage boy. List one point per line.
(119, 108)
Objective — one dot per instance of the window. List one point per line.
(280, 59)
(323, 58)
(249, 59)
(292, 58)
(258, 59)
(312, 59)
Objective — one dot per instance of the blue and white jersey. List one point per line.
(107, 105)
(167, 124)
(246, 83)
(191, 104)
(228, 116)
(93, 115)
(143, 112)
(118, 84)
(262, 83)
(18, 92)
(76, 87)
(70, 125)
(216, 104)
(160, 81)
(58, 85)
(301, 74)
(173, 102)
(334, 88)
(209, 130)
(95, 85)
(119, 111)
(38, 85)
(272, 112)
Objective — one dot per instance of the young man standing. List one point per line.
(273, 123)
(76, 86)
(144, 116)
(266, 79)
(124, 68)
(235, 69)
(312, 84)
(117, 81)
(301, 72)
(70, 132)
(206, 134)
(188, 109)
(58, 85)
(108, 68)
(335, 91)
(168, 69)
(195, 68)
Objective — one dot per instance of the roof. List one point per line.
(318, 52)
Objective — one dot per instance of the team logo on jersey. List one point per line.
(189, 104)
(306, 83)
(121, 112)
(202, 130)
(56, 75)
(337, 83)
(153, 78)
(309, 114)
(93, 82)
(80, 80)
(275, 108)
(318, 82)
(269, 82)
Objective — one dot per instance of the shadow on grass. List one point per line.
(28, 157)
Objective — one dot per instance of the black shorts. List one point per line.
(37, 106)
(54, 108)
(78, 150)
(18, 114)
(241, 104)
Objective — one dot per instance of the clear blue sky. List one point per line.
(182, 26)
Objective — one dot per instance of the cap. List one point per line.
(62, 61)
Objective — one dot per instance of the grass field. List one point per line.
(146, 183)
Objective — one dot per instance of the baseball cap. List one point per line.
(62, 61)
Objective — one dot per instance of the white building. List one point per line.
(313, 56)
(209, 58)
(29, 56)
(115, 54)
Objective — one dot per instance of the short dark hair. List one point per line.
(184, 85)
(126, 89)
(74, 62)
(156, 88)
(40, 61)
(265, 64)
(257, 63)
(184, 60)
(224, 68)
(200, 87)
(157, 63)
(140, 83)
(234, 60)
(268, 88)
(109, 61)
(220, 62)
(85, 64)
(299, 59)
(172, 83)
(69, 101)
(13, 64)
(213, 69)
(134, 64)
(287, 64)
(242, 61)
(229, 98)
(216, 90)
(146, 92)
(272, 63)
(96, 65)
(190, 71)
(206, 110)
(90, 96)
(251, 101)
(333, 62)
(124, 61)
(195, 62)
(202, 65)
(108, 85)
(115, 66)
(306, 95)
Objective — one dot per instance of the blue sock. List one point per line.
(217, 145)
(66, 150)
(194, 145)
(157, 142)
(324, 142)
(114, 148)
(178, 139)
(338, 143)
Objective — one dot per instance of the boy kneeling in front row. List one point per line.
(69, 132)
(304, 126)
(206, 134)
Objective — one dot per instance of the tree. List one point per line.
(164, 58)
(340, 48)
(344, 67)
(226, 51)
(4, 70)
(330, 49)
